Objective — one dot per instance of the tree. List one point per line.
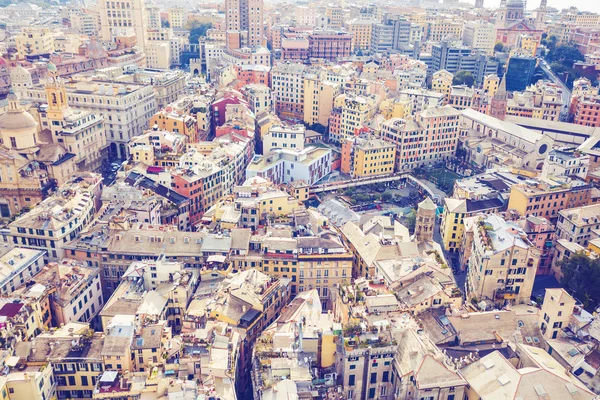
(411, 220)
(499, 47)
(386, 196)
(566, 55)
(463, 78)
(165, 24)
(197, 30)
(581, 278)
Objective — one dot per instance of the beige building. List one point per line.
(81, 132)
(319, 95)
(361, 30)
(503, 262)
(556, 312)
(479, 35)
(177, 17)
(579, 225)
(441, 82)
(124, 17)
(35, 42)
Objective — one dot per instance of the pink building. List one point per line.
(541, 233)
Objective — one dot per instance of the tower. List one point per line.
(244, 23)
(425, 221)
(499, 101)
(56, 94)
(500, 21)
(540, 14)
(478, 3)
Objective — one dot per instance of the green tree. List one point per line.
(411, 220)
(463, 78)
(566, 54)
(581, 278)
(499, 47)
(386, 196)
(197, 30)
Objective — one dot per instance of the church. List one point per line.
(511, 22)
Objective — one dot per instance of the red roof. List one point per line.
(10, 309)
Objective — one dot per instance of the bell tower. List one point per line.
(56, 94)
(499, 101)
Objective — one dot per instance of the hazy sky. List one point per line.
(583, 5)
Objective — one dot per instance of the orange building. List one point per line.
(172, 121)
(253, 74)
(587, 111)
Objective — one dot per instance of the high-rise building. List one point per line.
(123, 17)
(244, 23)
(519, 73)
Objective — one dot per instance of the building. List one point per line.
(565, 162)
(59, 218)
(124, 18)
(244, 24)
(34, 41)
(284, 137)
(74, 291)
(330, 46)
(361, 30)
(452, 227)
(367, 156)
(546, 376)
(82, 132)
(479, 35)
(578, 224)
(126, 107)
(18, 265)
(502, 264)
(519, 72)
(430, 137)
(556, 312)
(585, 111)
(284, 166)
(354, 111)
(287, 86)
(548, 198)
(319, 96)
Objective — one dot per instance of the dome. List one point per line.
(19, 74)
(16, 118)
(51, 66)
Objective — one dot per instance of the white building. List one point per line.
(127, 17)
(17, 266)
(479, 35)
(284, 137)
(285, 166)
(566, 162)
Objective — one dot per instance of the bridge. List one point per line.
(398, 176)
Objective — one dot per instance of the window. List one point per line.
(372, 393)
(373, 377)
(84, 381)
(72, 381)
(386, 376)
(351, 380)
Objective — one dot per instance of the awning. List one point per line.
(216, 258)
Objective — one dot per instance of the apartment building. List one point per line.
(59, 218)
(319, 96)
(579, 224)
(479, 35)
(542, 101)
(34, 41)
(367, 156)
(443, 29)
(502, 264)
(441, 82)
(284, 166)
(354, 111)
(361, 30)
(18, 265)
(330, 46)
(430, 137)
(547, 199)
(556, 312)
(284, 137)
(127, 16)
(565, 162)
(259, 98)
(176, 122)
(287, 85)
(586, 109)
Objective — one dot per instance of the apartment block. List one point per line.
(287, 85)
(367, 156)
(579, 224)
(503, 262)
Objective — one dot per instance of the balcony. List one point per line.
(504, 294)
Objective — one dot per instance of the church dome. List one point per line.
(16, 118)
(20, 75)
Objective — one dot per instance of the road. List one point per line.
(566, 93)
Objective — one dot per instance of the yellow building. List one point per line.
(254, 203)
(361, 34)
(441, 82)
(299, 189)
(35, 41)
(594, 246)
(177, 17)
(455, 211)
(175, 122)
(527, 44)
(362, 157)
(319, 95)
(490, 85)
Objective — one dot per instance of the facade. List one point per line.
(479, 35)
(556, 312)
(432, 136)
(284, 137)
(367, 156)
(503, 262)
(128, 16)
(330, 46)
(244, 23)
(578, 224)
(284, 166)
(18, 266)
(287, 85)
